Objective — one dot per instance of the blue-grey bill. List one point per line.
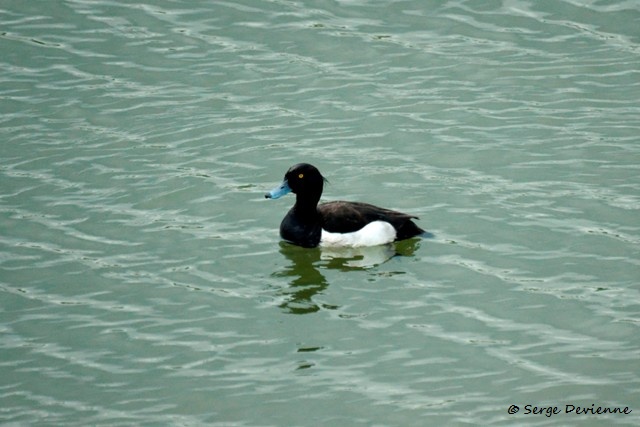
(279, 191)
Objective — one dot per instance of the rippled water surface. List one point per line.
(142, 278)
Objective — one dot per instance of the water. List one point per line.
(142, 281)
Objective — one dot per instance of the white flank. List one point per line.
(373, 234)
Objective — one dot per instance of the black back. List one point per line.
(346, 217)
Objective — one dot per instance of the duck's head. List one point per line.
(302, 179)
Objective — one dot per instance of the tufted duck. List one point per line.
(338, 223)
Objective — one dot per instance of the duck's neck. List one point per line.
(307, 205)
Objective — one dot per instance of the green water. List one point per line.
(142, 278)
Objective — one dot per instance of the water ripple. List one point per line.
(140, 272)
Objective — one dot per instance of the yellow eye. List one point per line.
(301, 175)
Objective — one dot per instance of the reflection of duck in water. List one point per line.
(350, 224)
(348, 258)
(306, 279)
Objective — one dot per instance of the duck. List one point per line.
(337, 223)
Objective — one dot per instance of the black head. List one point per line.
(305, 179)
